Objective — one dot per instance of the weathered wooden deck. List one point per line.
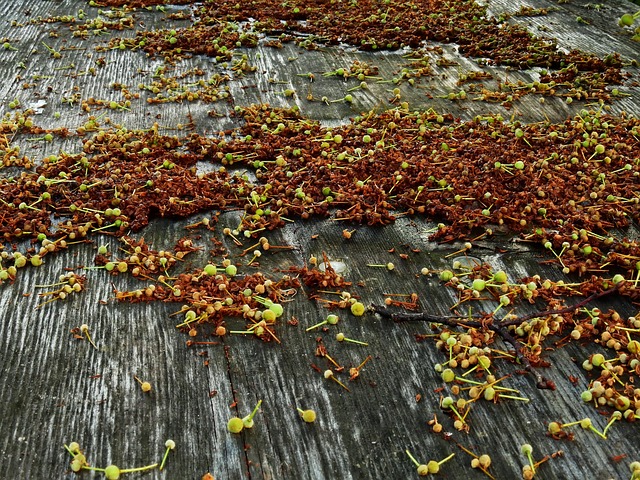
(55, 389)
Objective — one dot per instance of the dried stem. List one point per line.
(488, 321)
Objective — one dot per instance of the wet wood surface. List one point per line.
(56, 389)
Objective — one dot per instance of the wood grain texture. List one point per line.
(55, 389)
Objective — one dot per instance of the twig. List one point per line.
(488, 321)
(561, 311)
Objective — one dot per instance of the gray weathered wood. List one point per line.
(56, 389)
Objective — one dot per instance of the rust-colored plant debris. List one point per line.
(220, 27)
(565, 185)
(321, 279)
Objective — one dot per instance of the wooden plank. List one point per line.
(57, 388)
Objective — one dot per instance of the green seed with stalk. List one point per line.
(237, 424)
(247, 421)
(112, 472)
(527, 450)
(309, 416)
(614, 417)
(448, 403)
(329, 375)
(628, 19)
(341, 338)
(170, 444)
(331, 320)
(484, 363)
(519, 133)
(84, 328)
(389, 266)
(432, 467)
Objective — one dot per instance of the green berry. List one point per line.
(489, 394)
(112, 472)
(554, 428)
(76, 465)
(448, 375)
(446, 275)
(597, 359)
(268, 315)
(633, 346)
(626, 20)
(247, 422)
(277, 309)
(74, 447)
(484, 362)
(235, 425)
(309, 416)
(585, 423)
(500, 277)
(357, 309)
(526, 449)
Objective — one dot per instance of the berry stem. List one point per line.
(255, 410)
(316, 326)
(512, 397)
(363, 362)
(84, 328)
(336, 364)
(329, 374)
(446, 459)
(139, 469)
(614, 417)
(597, 432)
(341, 338)
(417, 464)
(66, 447)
